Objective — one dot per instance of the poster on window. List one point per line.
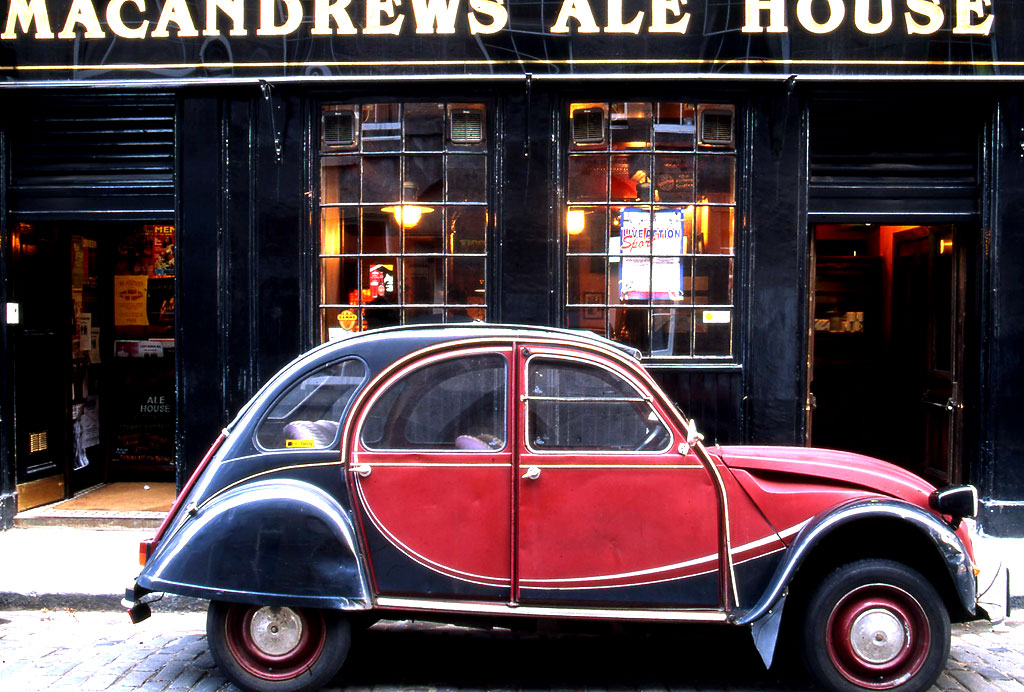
(638, 277)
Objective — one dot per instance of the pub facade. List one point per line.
(806, 214)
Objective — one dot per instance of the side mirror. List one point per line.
(958, 501)
(692, 438)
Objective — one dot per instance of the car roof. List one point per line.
(378, 348)
(463, 330)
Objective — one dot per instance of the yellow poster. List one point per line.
(130, 300)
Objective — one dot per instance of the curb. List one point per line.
(93, 602)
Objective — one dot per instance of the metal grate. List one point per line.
(716, 128)
(84, 154)
(339, 128)
(588, 126)
(467, 126)
(37, 442)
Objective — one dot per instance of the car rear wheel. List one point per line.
(276, 648)
(875, 625)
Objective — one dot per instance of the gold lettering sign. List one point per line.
(127, 18)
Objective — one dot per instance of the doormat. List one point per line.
(123, 497)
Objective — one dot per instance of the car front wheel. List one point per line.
(276, 648)
(875, 625)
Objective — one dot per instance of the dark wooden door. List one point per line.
(928, 297)
(40, 280)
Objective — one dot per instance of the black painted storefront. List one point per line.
(930, 134)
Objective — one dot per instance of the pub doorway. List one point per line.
(886, 343)
(94, 358)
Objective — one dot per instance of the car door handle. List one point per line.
(362, 470)
(532, 473)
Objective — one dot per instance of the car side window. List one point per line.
(309, 413)
(457, 404)
(585, 407)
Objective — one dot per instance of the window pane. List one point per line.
(423, 315)
(586, 318)
(381, 181)
(381, 232)
(586, 228)
(603, 422)
(425, 235)
(715, 230)
(674, 126)
(339, 230)
(673, 178)
(308, 414)
(716, 178)
(379, 281)
(629, 326)
(588, 178)
(424, 282)
(424, 126)
(379, 316)
(339, 179)
(586, 280)
(339, 281)
(713, 333)
(337, 322)
(712, 278)
(465, 280)
(467, 230)
(630, 125)
(454, 405)
(670, 333)
(467, 178)
(381, 127)
(631, 177)
(423, 179)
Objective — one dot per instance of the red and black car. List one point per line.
(521, 472)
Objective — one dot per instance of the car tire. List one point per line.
(875, 625)
(276, 648)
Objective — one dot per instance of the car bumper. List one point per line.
(136, 601)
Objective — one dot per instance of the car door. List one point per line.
(609, 512)
(432, 474)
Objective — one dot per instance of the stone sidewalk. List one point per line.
(94, 651)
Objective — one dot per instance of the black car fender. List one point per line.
(765, 615)
(270, 542)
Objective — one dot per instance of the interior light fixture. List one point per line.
(575, 221)
(407, 215)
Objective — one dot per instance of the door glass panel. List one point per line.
(576, 406)
(454, 405)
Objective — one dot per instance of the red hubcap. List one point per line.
(274, 643)
(878, 636)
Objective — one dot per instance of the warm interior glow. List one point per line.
(407, 215)
(575, 221)
(944, 246)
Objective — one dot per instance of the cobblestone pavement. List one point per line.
(87, 652)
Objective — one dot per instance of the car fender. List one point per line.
(765, 614)
(273, 542)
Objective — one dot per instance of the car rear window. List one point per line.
(309, 414)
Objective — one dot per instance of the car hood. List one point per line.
(834, 467)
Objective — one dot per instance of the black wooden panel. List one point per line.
(81, 155)
(893, 158)
(200, 360)
(711, 397)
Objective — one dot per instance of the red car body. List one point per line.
(528, 473)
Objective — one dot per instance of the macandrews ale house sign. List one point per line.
(86, 40)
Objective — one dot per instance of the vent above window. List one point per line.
(339, 130)
(467, 126)
(588, 126)
(716, 126)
